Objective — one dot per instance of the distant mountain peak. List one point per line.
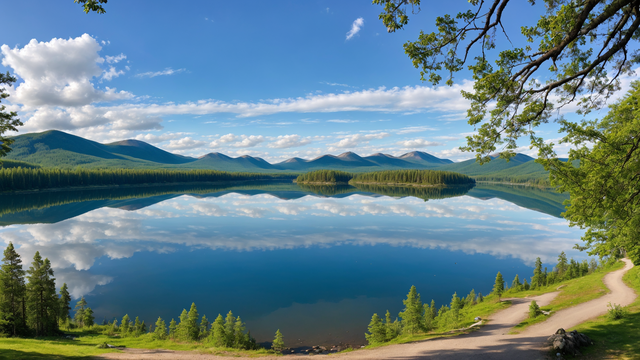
(130, 142)
(214, 155)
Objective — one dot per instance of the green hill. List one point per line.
(472, 168)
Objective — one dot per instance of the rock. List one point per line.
(477, 318)
(568, 342)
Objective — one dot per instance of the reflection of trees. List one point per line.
(425, 193)
(327, 190)
(13, 203)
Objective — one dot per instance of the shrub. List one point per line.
(534, 310)
(616, 311)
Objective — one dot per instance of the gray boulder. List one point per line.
(568, 342)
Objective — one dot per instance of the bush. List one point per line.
(534, 310)
(616, 312)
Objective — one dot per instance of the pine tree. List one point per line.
(218, 337)
(480, 298)
(229, 332)
(515, 284)
(183, 326)
(278, 342)
(471, 298)
(534, 310)
(65, 303)
(412, 315)
(434, 311)
(192, 330)
(114, 327)
(125, 325)
(160, 332)
(377, 331)
(536, 280)
(88, 319)
(240, 339)
(80, 306)
(428, 320)
(204, 327)
(173, 329)
(456, 302)
(525, 285)
(498, 286)
(13, 292)
(390, 327)
(562, 265)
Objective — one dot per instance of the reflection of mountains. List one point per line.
(542, 200)
(56, 206)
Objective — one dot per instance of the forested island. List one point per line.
(387, 177)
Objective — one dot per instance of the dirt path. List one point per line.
(490, 342)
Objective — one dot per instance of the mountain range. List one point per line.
(59, 149)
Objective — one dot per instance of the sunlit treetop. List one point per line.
(92, 5)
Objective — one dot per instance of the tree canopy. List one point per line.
(576, 53)
(582, 47)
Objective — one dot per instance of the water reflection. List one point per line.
(300, 252)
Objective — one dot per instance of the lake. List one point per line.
(314, 262)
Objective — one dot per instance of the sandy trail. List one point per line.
(490, 342)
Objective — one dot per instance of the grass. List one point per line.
(489, 306)
(616, 339)
(84, 346)
(573, 292)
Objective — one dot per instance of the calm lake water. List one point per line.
(315, 263)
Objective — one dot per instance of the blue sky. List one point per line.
(269, 79)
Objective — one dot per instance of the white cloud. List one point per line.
(111, 73)
(238, 141)
(352, 141)
(185, 144)
(414, 129)
(115, 59)
(289, 141)
(340, 121)
(355, 28)
(152, 74)
(418, 143)
(58, 73)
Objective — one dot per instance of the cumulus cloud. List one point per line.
(289, 141)
(418, 143)
(152, 74)
(115, 59)
(58, 73)
(111, 73)
(238, 141)
(355, 27)
(186, 143)
(351, 141)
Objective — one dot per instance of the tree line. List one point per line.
(30, 306)
(16, 179)
(325, 176)
(421, 318)
(422, 177)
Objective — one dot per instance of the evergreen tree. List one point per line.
(456, 302)
(562, 265)
(393, 328)
(412, 316)
(240, 339)
(498, 286)
(88, 319)
(79, 316)
(377, 331)
(278, 342)
(525, 285)
(480, 298)
(515, 284)
(12, 293)
(114, 327)
(65, 303)
(125, 325)
(218, 336)
(534, 310)
(173, 329)
(471, 298)
(229, 331)
(428, 319)
(192, 330)
(204, 327)
(593, 266)
(160, 332)
(434, 311)
(536, 280)
(183, 326)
